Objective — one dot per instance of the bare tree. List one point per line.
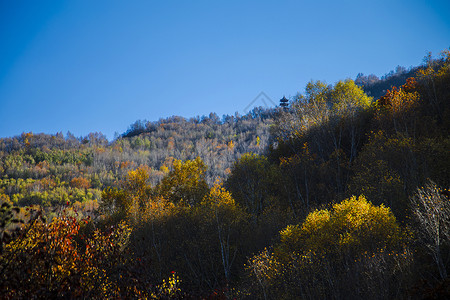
(431, 207)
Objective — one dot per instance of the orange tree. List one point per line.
(54, 259)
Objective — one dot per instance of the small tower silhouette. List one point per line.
(284, 102)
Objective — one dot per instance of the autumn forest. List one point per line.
(340, 193)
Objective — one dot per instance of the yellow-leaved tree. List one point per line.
(350, 227)
(132, 197)
(185, 183)
(222, 213)
(352, 250)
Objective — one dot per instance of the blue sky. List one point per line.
(97, 66)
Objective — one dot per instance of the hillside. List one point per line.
(377, 87)
(342, 194)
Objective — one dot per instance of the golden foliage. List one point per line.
(218, 196)
(186, 182)
(352, 226)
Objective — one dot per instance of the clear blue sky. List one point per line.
(99, 65)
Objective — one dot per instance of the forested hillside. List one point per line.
(341, 194)
(377, 87)
(53, 169)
